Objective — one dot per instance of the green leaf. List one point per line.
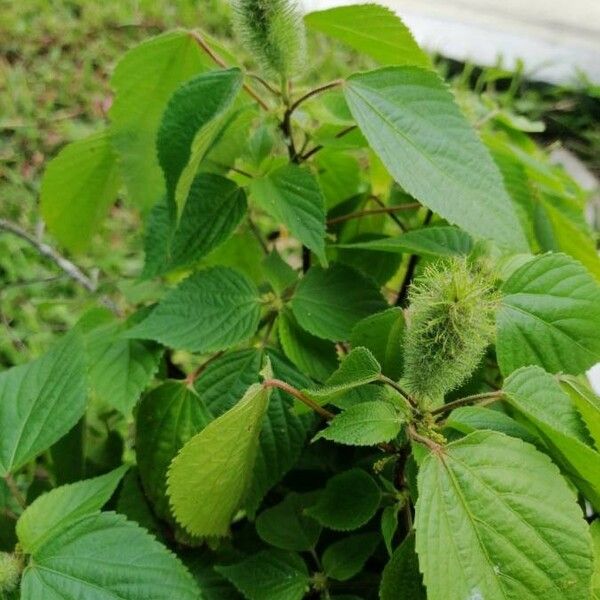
(587, 404)
(430, 241)
(119, 369)
(282, 437)
(349, 500)
(346, 557)
(54, 512)
(365, 424)
(549, 317)
(209, 311)
(269, 575)
(372, 30)
(338, 176)
(538, 396)
(389, 524)
(209, 478)
(286, 526)
(412, 122)
(401, 579)
(133, 504)
(168, 417)
(104, 557)
(78, 187)
(190, 109)
(312, 355)
(383, 334)
(358, 368)
(40, 402)
(225, 380)
(486, 528)
(328, 303)
(143, 81)
(468, 419)
(215, 206)
(291, 195)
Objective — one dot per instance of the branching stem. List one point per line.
(320, 147)
(373, 211)
(410, 402)
(417, 437)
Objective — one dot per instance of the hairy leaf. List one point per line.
(328, 303)
(291, 194)
(412, 122)
(486, 528)
(210, 310)
(587, 404)
(549, 317)
(78, 187)
(371, 29)
(210, 476)
(40, 402)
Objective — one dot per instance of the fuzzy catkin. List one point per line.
(10, 572)
(450, 324)
(273, 32)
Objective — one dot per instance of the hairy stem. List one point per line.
(480, 399)
(410, 402)
(292, 391)
(421, 439)
(373, 211)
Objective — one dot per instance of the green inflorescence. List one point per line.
(10, 571)
(273, 32)
(450, 324)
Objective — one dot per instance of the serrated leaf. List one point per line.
(133, 504)
(539, 398)
(269, 575)
(383, 334)
(549, 317)
(328, 303)
(312, 355)
(587, 404)
(358, 368)
(119, 369)
(282, 437)
(291, 195)
(40, 402)
(77, 189)
(401, 579)
(485, 527)
(59, 509)
(595, 533)
(225, 380)
(346, 557)
(364, 424)
(209, 311)
(209, 478)
(371, 29)
(214, 208)
(133, 564)
(285, 526)
(168, 417)
(349, 500)
(143, 81)
(413, 124)
(430, 241)
(190, 109)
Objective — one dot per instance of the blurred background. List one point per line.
(538, 59)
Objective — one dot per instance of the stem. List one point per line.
(15, 491)
(292, 391)
(191, 378)
(314, 92)
(417, 437)
(70, 268)
(265, 84)
(410, 402)
(219, 61)
(482, 399)
(319, 147)
(374, 211)
(258, 235)
(392, 216)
